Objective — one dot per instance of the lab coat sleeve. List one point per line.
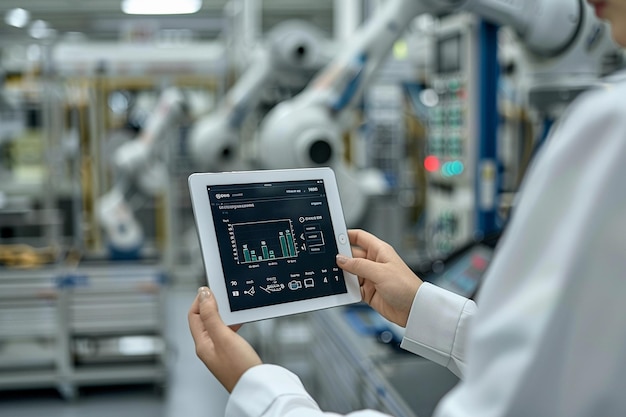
(273, 391)
(438, 325)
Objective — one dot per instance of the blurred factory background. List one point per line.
(104, 114)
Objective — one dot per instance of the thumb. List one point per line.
(209, 313)
(364, 268)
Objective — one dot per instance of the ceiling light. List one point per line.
(40, 29)
(17, 17)
(161, 6)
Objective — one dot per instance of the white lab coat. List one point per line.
(550, 336)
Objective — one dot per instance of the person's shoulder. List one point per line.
(609, 95)
(613, 87)
(603, 103)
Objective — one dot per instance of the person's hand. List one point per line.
(387, 283)
(223, 351)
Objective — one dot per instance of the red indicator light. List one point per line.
(479, 263)
(431, 163)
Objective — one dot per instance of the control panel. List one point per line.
(452, 133)
(456, 132)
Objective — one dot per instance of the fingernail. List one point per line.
(204, 293)
(341, 259)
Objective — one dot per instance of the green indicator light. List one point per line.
(445, 170)
(452, 168)
(456, 168)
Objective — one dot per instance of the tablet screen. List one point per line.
(276, 242)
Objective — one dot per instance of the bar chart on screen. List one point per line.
(263, 241)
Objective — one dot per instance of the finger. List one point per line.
(195, 306)
(364, 268)
(362, 238)
(367, 293)
(358, 252)
(366, 296)
(373, 247)
(198, 332)
(209, 313)
(235, 327)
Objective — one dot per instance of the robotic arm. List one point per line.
(214, 140)
(307, 130)
(136, 162)
(137, 167)
(293, 52)
(547, 28)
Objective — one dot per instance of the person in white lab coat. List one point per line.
(550, 336)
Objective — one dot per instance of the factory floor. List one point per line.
(191, 390)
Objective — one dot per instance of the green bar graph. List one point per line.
(292, 248)
(266, 253)
(264, 241)
(283, 245)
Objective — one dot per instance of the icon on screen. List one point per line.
(294, 285)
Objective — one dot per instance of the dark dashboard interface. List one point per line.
(276, 242)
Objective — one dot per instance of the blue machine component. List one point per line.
(367, 322)
(488, 170)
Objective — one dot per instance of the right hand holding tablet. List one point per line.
(387, 283)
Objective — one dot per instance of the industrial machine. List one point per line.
(308, 130)
(11, 117)
(290, 56)
(455, 133)
(563, 48)
(292, 53)
(138, 169)
(69, 319)
(461, 160)
(12, 124)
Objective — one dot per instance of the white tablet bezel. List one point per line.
(198, 183)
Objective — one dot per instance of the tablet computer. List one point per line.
(269, 241)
